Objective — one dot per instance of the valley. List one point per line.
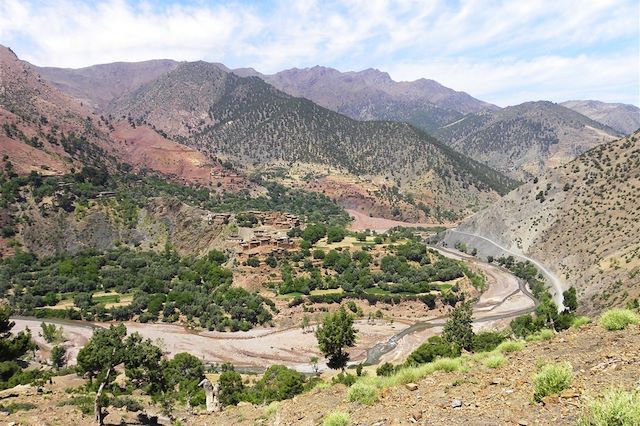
(257, 349)
(190, 242)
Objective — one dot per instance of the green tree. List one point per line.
(458, 329)
(11, 347)
(51, 333)
(334, 335)
(231, 387)
(109, 348)
(184, 372)
(58, 356)
(570, 299)
(314, 232)
(335, 234)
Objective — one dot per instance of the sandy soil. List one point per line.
(362, 221)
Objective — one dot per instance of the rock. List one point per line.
(550, 399)
(417, 415)
(497, 381)
(522, 422)
(456, 403)
(411, 386)
(11, 424)
(569, 393)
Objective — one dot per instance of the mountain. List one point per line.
(373, 95)
(581, 219)
(50, 132)
(525, 139)
(621, 117)
(253, 123)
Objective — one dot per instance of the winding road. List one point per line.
(553, 279)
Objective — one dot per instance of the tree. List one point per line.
(334, 335)
(458, 329)
(11, 347)
(108, 348)
(184, 371)
(335, 234)
(51, 333)
(570, 299)
(231, 387)
(305, 323)
(58, 356)
(314, 232)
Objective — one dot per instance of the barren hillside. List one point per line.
(622, 117)
(581, 219)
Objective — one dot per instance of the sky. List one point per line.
(504, 52)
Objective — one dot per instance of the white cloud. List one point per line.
(501, 49)
(510, 81)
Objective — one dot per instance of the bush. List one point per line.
(510, 346)
(336, 418)
(17, 406)
(385, 370)
(362, 393)
(544, 334)
(487, 341)
(552, 379)
(580, 321)
(345, 379)
(447, 365)
(253, 261)
(618, 319)
(435, 347)
(616, 408)
(277, 383)
(494, 361)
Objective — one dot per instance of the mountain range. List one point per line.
(520, 140)
(182, 121)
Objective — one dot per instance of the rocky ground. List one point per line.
(600, 360)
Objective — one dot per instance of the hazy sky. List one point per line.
(505, 52)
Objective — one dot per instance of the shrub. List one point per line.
(434, 347)
(544, 334)
(552, 379)
(616, 408)
(17, 406)
(510, 346)
(447, 364)
(385, 370)
(362, 393)
(277, 383)
(618, 319)
(580, 321)
(487, 341)
(253, 261)
(345, 379)
(271, 409)
(494, 361)
(336, 418)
